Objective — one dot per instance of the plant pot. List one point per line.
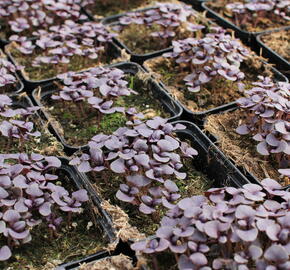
(113, 21)
(138, 58)
(168, 105)
(210, 162)
(97, 17)
(30, 84)
(198, 117)
(282, 63)
(216, 140)
(247, 37)
(98, 238)
(210, 159)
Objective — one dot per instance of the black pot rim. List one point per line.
(82, 181)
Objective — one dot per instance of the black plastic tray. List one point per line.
(210, 160)
(282, 63)
(167, 102)
(198, 117)
(138, 58)
(29, 85)
(121, 248)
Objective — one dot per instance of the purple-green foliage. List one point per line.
(147, 154)
(217, 55)
(168, 16)
(108, 84)
(228, 228)
(29, 197)
(62, 42)
(246, 10)
(24, 15)
(17, 124)
(7, 72)
(267, 108)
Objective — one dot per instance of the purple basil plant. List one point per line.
(7, 73)
(24, 16)
(60, 43)
(215, 56)
(29, 196)
(255, 10)
(167, 16)
(147, 154)
(267, 108)
(99, 87)
(228, 228)
(17, 126)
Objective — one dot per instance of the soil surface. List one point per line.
(212, 94)
(78, 125)
(71, 242)
(48, 71)
(265, 21)
(241, 148)
(279, 42)
(139, 40)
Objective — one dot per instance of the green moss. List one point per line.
(80, 122)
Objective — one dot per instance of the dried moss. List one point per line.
(120, 262)
(279, 42)
(241, 148)
(105, 8)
